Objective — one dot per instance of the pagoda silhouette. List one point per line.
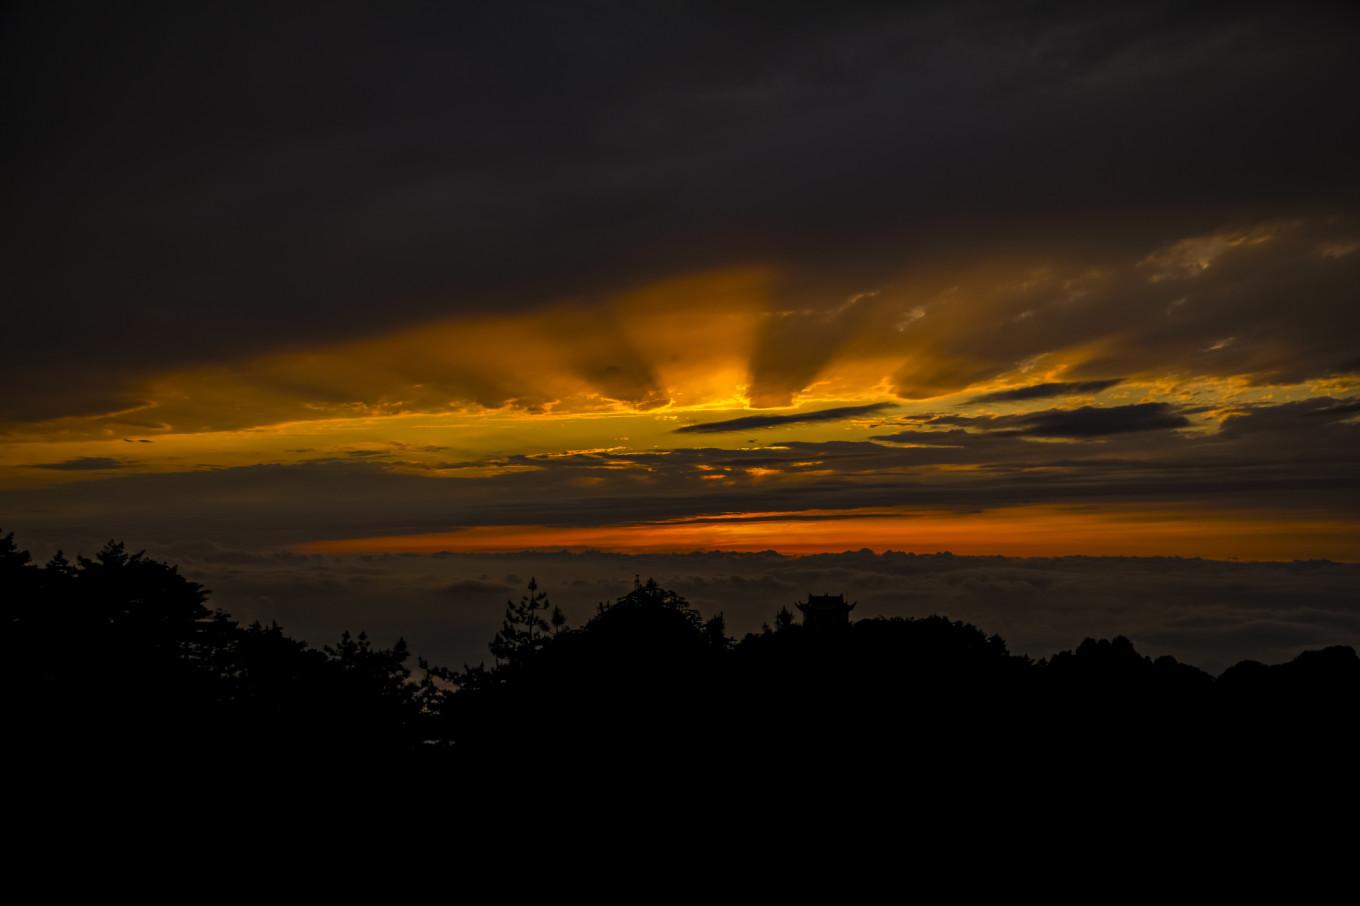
(826, 612)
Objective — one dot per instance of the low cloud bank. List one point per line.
(1208, 613)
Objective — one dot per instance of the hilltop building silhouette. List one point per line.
(826, 612)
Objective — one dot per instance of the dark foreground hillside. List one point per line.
(120, 653)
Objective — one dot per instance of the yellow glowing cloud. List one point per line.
(626, 370)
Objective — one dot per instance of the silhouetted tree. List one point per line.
(527, 625)
(120, 651)
(650, 595)
(715, 630)
(122, 647)
(11, 558)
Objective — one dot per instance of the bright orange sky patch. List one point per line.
(1017, 531)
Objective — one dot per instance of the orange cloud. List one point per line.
(1014, 531)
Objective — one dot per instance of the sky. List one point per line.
(1022, 279)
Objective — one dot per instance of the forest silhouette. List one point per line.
(121, 652)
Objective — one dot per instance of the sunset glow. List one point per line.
(1034, 532)
(904, 283)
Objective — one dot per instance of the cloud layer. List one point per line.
(755, 422)
(1020, 278)
(1252, 471)
(246, 187)
(449, 606)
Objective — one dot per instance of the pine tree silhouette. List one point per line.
(527, 625)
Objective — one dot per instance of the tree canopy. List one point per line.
(120, 646)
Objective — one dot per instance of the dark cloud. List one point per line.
(752, 422)
(1045, 391)
(1270, 303)
(1092, 421)
(1296, 421)
(1084, 423)
(81, 464)
(241, 177)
